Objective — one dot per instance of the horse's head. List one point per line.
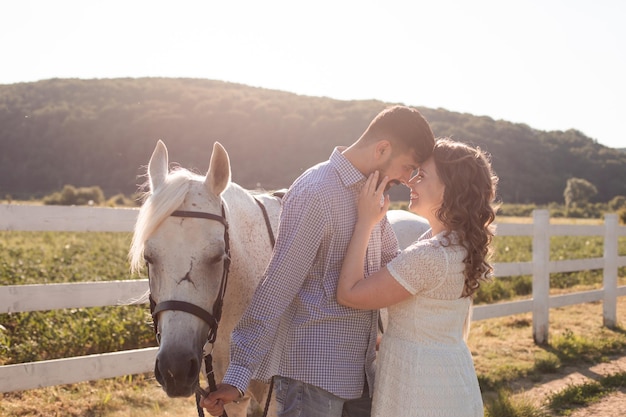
(182, 240)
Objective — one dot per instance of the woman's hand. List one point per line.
(380, 289)
(373, 203)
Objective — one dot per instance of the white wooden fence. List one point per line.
(23, 298)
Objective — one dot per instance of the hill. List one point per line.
(102, 132)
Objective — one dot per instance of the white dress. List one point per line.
(424, 367)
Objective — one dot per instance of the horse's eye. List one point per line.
(217, 258)
(148, 259)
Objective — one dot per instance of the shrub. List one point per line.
(120, 200)
(516, 210)
(616, 203)
(622, 215)
(492, 291)
(71, 195)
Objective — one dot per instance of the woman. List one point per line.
(424, 365)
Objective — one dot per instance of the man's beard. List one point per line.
(391, 184)
(383, 171)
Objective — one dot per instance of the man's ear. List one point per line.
(382, 149)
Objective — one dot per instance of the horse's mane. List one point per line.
(157, 206)
(160, 204)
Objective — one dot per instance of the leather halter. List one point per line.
(212, 319)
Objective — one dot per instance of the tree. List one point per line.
(617, 203)
(578, 191)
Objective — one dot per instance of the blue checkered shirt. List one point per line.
(294, 326)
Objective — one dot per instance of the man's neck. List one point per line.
(358, 157)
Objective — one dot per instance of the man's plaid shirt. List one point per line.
(294, 326)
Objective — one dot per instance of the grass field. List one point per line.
(506, 358)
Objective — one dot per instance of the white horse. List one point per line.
(196, 234)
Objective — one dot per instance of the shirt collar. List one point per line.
(347, 172)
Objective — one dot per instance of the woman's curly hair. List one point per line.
(468, 206)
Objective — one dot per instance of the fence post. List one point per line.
(541, 275)
(609, 307)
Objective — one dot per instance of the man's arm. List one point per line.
(302, 227)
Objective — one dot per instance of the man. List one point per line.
(321, 353)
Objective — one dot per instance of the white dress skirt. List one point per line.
(424, 367)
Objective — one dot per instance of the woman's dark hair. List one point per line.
(468, 204)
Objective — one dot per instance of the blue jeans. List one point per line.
(298, 399)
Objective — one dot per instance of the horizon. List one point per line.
(555, 65)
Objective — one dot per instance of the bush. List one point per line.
(622, 215)
(120, 200)
(586, 211)
(618, 202)
(503, 288)
(72, 196)
(557, 210)
(492, 291)
(516, 210)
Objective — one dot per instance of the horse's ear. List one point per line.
(218, 177)
(158, 166)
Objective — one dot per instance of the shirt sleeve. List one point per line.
(420, 267)
(302, 227)
(390, 248)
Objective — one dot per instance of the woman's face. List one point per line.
(426, 190)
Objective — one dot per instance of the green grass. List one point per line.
(35, 336)
(562, 402)
(571, 348)
(582, 395)
(500, 362)
(504, 405)
(503, 347)
(519, 249)
(47, 257)
(55, 257)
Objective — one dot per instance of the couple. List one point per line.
(312, 323)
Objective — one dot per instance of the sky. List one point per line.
(551, 64)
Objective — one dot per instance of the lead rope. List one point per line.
(208, 366)
(208, 360)
(279, 195)
(217, 313)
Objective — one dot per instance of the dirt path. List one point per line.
(610, 406)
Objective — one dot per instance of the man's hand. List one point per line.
(214, 402)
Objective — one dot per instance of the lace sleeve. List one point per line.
(421, 267)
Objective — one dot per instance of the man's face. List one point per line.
(399, 169)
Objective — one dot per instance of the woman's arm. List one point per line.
(379, 289)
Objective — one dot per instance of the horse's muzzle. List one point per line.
(178, 376)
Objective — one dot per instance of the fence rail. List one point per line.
(24, 298)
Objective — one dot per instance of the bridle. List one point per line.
(212, 319)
